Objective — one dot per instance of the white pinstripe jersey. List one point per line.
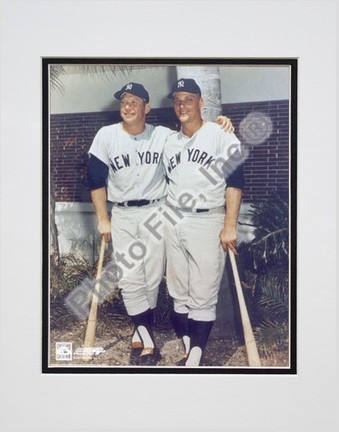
(135, 163)
(194, 166)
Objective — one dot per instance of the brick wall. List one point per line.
(266, 168)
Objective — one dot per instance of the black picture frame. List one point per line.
(292, 63)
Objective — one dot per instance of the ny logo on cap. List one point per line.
(181, 83)
(129, 86)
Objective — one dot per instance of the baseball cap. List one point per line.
(185, 85)
(135, 89)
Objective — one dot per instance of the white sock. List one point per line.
(145, 336)
(186, 340)
(194, 357)
(136, 337)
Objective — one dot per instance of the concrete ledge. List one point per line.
(77, 220)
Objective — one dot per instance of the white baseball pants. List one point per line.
(139, 254)
(195, 262)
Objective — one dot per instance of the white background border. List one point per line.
(31, 401)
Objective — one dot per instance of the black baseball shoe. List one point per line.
(150, 359)
(134, 358)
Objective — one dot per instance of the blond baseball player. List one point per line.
(126, 168)
(204, 168)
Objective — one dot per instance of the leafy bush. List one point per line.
(270, 220)
(72, 269)
(68, 275)
(266, 278)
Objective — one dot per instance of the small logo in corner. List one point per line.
(63, 351)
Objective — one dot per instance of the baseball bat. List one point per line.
(92, 317)
(251, 346)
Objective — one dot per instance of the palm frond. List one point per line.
(101, 71)
(272, 336)
(270, 220)
(56, 72)
(273, 301)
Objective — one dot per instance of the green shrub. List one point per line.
(72, 270)
(265, 261)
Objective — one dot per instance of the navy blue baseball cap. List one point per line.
(135, 89)
(185, 85)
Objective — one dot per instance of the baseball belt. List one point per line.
(198, 210)
(137, 203)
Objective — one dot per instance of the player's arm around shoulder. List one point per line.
(225, 123)
(165, 131)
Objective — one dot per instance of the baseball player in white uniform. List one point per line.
(204, 168)
(126, 168)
